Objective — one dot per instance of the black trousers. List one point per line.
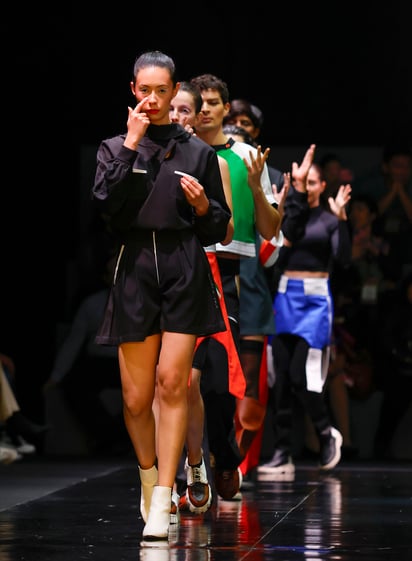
(290, 354)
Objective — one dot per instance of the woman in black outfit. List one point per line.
(315, 238)
(162, 191)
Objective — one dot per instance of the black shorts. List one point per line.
(162, 282)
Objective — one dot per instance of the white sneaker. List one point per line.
(174, 509)
(25, 447)
(21, 445)
(198, 491)
(9, 454)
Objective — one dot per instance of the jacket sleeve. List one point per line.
(295, 216)
(118, 191)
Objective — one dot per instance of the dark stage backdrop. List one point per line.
(327, 76)
(335, 75)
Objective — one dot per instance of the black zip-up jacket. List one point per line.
(140, 190)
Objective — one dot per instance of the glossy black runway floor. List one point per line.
(72, 510)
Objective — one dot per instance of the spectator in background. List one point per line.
(363, 284)
(334, 173)
(82, 369)
(395, 344)
(19, 433)
(391, 189)
(8, 405)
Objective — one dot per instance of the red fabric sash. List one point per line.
(237, 382)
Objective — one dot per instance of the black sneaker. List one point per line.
(280, 464)
(227, 483)
(330, 449)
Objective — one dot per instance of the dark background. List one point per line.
(330, 75)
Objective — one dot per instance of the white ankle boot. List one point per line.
(157, 525)
(148, 479)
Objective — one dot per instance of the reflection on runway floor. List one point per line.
(357, 512)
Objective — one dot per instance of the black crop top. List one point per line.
(318, 238)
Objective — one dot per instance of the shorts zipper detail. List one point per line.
(117, 264)
(155, 256)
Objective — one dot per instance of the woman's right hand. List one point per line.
(137, 123)
(300, 173)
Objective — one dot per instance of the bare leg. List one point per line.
(196, 420)
(175, 363)
(138, 368)
(165, 361)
